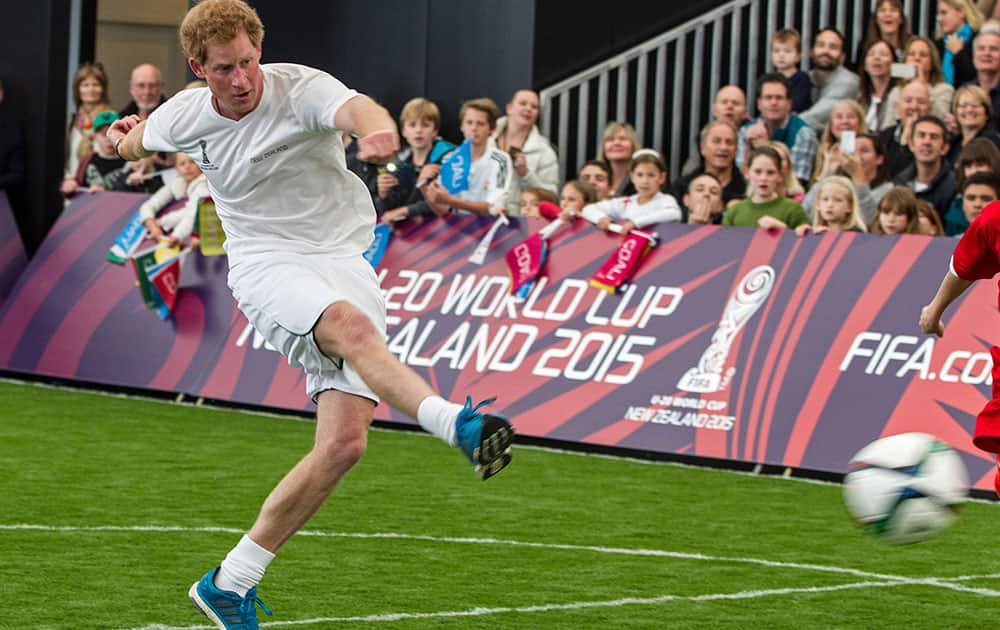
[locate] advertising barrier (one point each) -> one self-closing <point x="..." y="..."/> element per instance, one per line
<point x="729" y="343"/>
<point x="12" y="257"/>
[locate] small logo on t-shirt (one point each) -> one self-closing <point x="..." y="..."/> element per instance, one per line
<point x="206" y="164"/>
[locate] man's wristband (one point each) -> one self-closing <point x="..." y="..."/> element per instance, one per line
<point x="117" y="144"/>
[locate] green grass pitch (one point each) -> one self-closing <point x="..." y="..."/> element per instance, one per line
<point x="110" y="507"/>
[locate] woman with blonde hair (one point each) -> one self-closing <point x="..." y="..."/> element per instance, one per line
<point x="973" y="112"/>
<point x="847" y="115"/>
<point x="958" y="23"/>
<point x="618" y="144"/>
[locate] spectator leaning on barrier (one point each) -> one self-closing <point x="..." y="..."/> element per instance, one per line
<point x="618" y="144"/>
<point x="536" y="164"/>
<point x="832" y="82"/>
<point x="767" y="206"/>
<point x="597" y="173"/>
<point x="923" y="56"/>
<point x="930" y="177"/>
<point x="105" y="169"/>
<point x="400" y="198"/>
<point x="897" y="213"/>
<point x="914" y="102"/>
<point x="717" y="147"/>
<point x="775" y="121"/>
<point x="491" y="170"/>
<point x="977" y="191"/>
<point x="837" y="207"/>
<point x="730" y="103"/>
<point x="190" y="184"/>
<point x="575" y="195"/>
<point x="648" y="206"/>
<point x="703" y="200"/>
<point x="865" y="168"/>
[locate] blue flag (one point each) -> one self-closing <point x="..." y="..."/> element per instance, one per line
<point x="126" y="243"/>
<point x="455" y="168"/>
<point x="377" y="248"/>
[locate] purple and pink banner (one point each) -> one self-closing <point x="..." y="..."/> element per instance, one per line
<point x="730" y="343"/>
<point x="12" y="257"/>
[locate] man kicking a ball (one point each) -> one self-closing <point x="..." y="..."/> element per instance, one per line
<point x="297" y="221"/>
<point x="976" y="257"/>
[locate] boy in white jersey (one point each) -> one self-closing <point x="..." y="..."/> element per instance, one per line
<point x="297" y="222"/>
<point x="490" y="175"/>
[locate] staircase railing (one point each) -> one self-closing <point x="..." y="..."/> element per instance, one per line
<point x="664" y="86"/>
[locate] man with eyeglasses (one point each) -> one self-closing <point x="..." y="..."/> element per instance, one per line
<point x="146" y="88"/>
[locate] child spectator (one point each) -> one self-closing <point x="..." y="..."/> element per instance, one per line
<point x="793" y="187"/>
<point x="786" y="56"/>
<point x="575" y="195"/>
<point x="105" y="170"/>
<point x="767" y="205"/>
<point x="190" y="184"/>
<point x="837" y="207"/>
<point x="491" y="170"/>
<point x="897" y="213"/>
<point x="866" y="168"/>
<point x="979" y="190"/>
<point x="703" y="202"/>
<point x="531" y="197"/>
<point x="979" y="156"/>
<point x="928" y="221"/>
<point x="647" y="206"/>
<point x="597" y="173"/>
<point x="400" y="198"/>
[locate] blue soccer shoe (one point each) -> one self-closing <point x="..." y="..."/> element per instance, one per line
<point x="226" y="609"/>
<point x="485" y="438"/>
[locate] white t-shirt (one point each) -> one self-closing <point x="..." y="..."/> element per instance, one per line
<point x="489" y="179"/>
<point x="278" y="175"/>
<point x="662" y="208"/>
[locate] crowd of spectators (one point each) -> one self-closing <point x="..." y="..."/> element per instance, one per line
<point x="903" y="137"/>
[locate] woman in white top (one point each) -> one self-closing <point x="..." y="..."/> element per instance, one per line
<point x="647" y="206"/>
<point x="536" y="164"/>
<point x="190" y="183"/>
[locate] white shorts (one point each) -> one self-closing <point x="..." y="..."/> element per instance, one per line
<point x="284" y="295"/>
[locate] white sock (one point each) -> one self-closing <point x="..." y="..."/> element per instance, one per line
<point x="437" y="416"/>
<point x="243" y="567"/>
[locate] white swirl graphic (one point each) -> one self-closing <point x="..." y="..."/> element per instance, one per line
<point x="751" y="293"/>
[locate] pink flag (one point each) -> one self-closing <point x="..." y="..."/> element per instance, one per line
<point x="624" y="262"/>
<point x="166" y="281"/>
<point x="526" y="259"/>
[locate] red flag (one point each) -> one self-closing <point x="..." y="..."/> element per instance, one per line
<point x="166" y="281"/>
<point x="624" y="261"/>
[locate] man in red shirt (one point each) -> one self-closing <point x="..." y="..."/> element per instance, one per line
<point x="977" y="257"/>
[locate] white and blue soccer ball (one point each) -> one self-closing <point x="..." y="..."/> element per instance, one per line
<point x="905" y="488"/>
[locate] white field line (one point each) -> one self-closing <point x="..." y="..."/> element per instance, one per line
<point x="654" y="553"/>
<point x="613" y="603"/>
<point x="188" y="402"/>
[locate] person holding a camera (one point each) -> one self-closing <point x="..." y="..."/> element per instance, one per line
<point x="535" y="162"/>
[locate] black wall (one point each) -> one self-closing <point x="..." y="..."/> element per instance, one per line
<point x="393" y="50"/>
<point x="34" y="45"/>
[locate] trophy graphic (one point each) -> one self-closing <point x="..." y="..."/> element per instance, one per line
<point x="750" y="294"/>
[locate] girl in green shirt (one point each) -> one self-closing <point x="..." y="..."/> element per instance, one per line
<point x="767" y="206"/>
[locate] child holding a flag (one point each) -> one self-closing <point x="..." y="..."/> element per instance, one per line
<point x="481" y="187"/>
<point x="191" y="184"/>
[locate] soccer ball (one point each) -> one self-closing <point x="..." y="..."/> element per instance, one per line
<point x="905" y="488"/>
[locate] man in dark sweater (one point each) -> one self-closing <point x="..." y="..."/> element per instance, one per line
<point x="931" y="176"/>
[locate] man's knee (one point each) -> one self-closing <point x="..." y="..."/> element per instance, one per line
<point x="344" y="331"/>
<point x="343" y="449"/>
